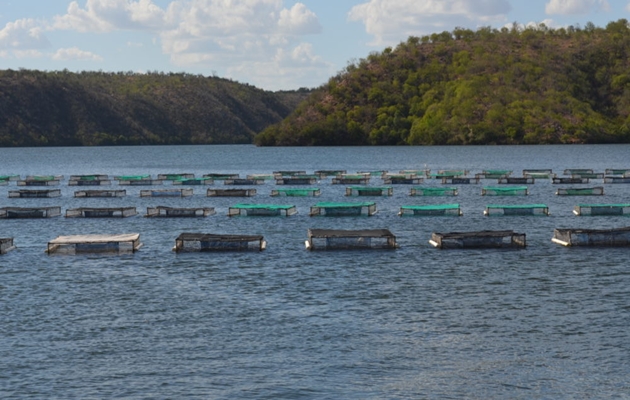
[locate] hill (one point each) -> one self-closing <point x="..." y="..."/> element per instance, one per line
<point x="95" y="108"/>
<point x="509" y="86"/>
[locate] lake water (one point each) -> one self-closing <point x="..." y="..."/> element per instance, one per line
<point x="545" y="322"/>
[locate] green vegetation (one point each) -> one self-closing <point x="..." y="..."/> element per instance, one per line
<point x="96" y="108"/>
<point x="508" y="86"/>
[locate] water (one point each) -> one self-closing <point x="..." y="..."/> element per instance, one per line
<point x="545" y="322"/>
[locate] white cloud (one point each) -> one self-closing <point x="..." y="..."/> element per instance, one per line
<point x="299" y="20"/>
<point x="23" y="34"/>
<point x="74" y="53"/>
<point x="392" y="21"/>
<point x="575" y="6"/>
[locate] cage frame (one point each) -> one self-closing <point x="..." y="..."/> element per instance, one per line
<point x="30" y="212"/>
<point x="294" y="192"/>
<point x="100" y="193"/>
<point x="33" y="194"/>
<point x="335" y="209"/>
<point x="6" y="245"/>
<point x="505" y="191"/>
<point x="95" y="244"/>
<point x="431" y="210"/>
<point x="184" y="192"/>
<point x="229" y="242"/>
<point x="296" y="180"/>
<point x="176" y="177"/>
<point x="262" y="210"/>
<point x="342" y="239"/>
<point x="587" y="191"/>
<point x="434" y="191"/>
<point x="101" y="212"/>
<point x="488" y="239"/>
<point x="517" y="210"/>
<point x="244" y="192"/>
<point x="178" y="212"/>
<point x="569" y="181"/>
<point x="621" y="209"/>
<point x="202" y="181"/>
<point x="368" y="191"/>
<point x="572" y="237"/>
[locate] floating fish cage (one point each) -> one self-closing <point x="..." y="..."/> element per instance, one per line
<point x="609" y="171"/>
<point x="422" y="172"/>
<point x="221" y="177"/>
<point x="243" y="182"/>
<point x="167" y="193"/>
<point x="453" y="172"/>
<point x="262" y="210"/>
<point x="92" y="177"/>
<point x="505" y="191"/>
<point x="4" y="182"/>
<point x="517" y="180"/>
<point x="44" y="178"/>
<point x="369" y="191"/>
<point x="539" y="175"/>
<point x="323" y="173"/>
<point x="592" y="237"/>
<point x="88" y="182"/>
<point x="338" y="239"/>
<point x="231" y="192"/>
<point x="297" y="180"/>
<point x="452" y="180"/>
<point x="577" y="171"/>
<point x="402" y="180"/>
<point x="140" y="182"/>
<point x="591" y="191"/>
<point x="617" y="179"/>
<point x="100" y="193"/>
<point x="30" y="212"/>
<point x="266" y="177"/>
<point x="305" y="192"/>
<point x="351" y="180"/>
<point x="103" y="212"/>
<point x="38" y="182"/>
<point x="193" y="181"/>
<point x="479" y="240"/>
<point x="28" y="194"/>
<point x="521" y="209"/>
<point x="9" y="178"/>
<point x="172" y="212"/>
<point x="279" y="174"/>
<point x="6" y="245"/>
<point x="90" y="244"/>
<point x="441" y="210"/>
<point x="379" y="173"/>
<point x="132" y="177"/>
<point x="538" y="171"/>
<point x="434" y="191"/>
<point x="594" y="175"/>
<point x="197" y="242"/>
<point x="176" y="177"/>
<point x="494" y="173"/>
<point x="329" y="209"/>
<point x="602" y="209"/>
<point x="570" y="181"/>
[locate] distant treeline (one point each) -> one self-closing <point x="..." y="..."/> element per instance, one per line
<point x="489" y="86"/>
<point x="97" y="108"/>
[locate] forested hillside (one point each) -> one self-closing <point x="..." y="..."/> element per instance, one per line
<point x="95" y="108"/>
<point x="489" y="86"/>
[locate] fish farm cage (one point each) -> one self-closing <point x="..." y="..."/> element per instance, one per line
<point x="330" y="209"/>
<point x="516" y="180"/>
<point x="494" y="174"/>
<point x="100" y="193"/>
<point x="172" y="212"/>
<point x="243" y="182"/>
<point x="132" y="177"/>
<point x="351" y="180"/>
<point x="520" y="209"/>
<point x="29" y="212"/>
<point x="93" y="177"/>
<point x="266" y="177"/>
<point x="324" y="173"/>
<point x="505" y="191"/>
<point x="101" y="212"/>
<point x="279" y="174"/>
<point x="166" y="193"/>
<point x="369" y="191"/>
<point x="419" y="172"/>
<point x="433" y="191"/>
<point x="200" y="242"/>
<point x="38" y="181"/>
<point x="454" y="180"/>
<point x="95" y="244"/>
<point x="176" y="177"/>
<point x="479" y="240"/>
<point x="140" y="182"/>
<point x="594" y="175"/>
<point x="262" y="210"/>
<point x="297" y="180"/>
<point x="9" y="178"/>
<point x="617" y="179"/>
<point x="28" y="194"/>
<point x="442" y="210"/>
<point x="609" y="171"/>
<point x="88" y="182"/>
<point x="569" y="181"/>
<point x="230" y="192"/>
<point x="589" y="191"/>
<point x="539" y="175"/>
<point x="376" y="173"/>
<point x="193" y="181"/>
<point x="577" y="171"/>
<point x="538" y="171"/>
<point x="402" y="180"/>
<point x="6" y="245"/>
<point x="302" y="192"/>
<point x="221" y="176"/>
<point x="592" y="237"/>
<point x="339" y="239"/>
<point x="601" y="209"/>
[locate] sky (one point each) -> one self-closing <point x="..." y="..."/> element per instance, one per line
<point x="271" y="44"/>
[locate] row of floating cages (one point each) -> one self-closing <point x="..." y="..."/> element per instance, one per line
<point x="193" y="181"/>
<point x="101" y="212"/>
<point x="453" y="180"/>
<point x="517" y="180"/>
<point x="494" y="174"/>
<point x="201" y="242"/>
<point x="6" y="245"/>
<point x="25" y="193"/>
<point x="520" y="209"/>
<point x="479" y="240"/>
<point x="30" y="212"/>
<point x="261" y="210"/>
<point x="617" y="179"/>
<point x="162" y="211"/>
<point x="569" y="181"/>
<point x="505" y="191"/>
<point x="431" y="210"/>
<point x="330" y="209"/>
<point x="100" y="193"/>
<point x="588" y="191"/>
<point x="243" y="182"/>
<point x="166" y="193"/>
<point x="434" y="191"/>
<point x="592" y="237"/>
<point x="602" y="209"/>
<point x="297" y="180"/>
<point x="329" y="239"/>
<point x="97" y="243"/>
<point x="351" y="179"/>
<point x="230" y="192"/>
<point x="369" y="191"/>
<point x="302" y="192"/>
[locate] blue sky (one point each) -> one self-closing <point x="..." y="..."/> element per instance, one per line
<point x="272" y="44"/>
